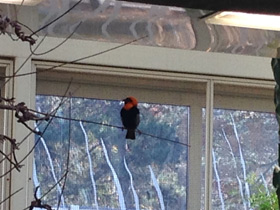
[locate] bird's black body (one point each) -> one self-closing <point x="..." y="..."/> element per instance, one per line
<point x="130" y="120"/>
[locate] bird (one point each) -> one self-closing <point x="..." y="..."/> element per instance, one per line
<point x="130" y="116"/>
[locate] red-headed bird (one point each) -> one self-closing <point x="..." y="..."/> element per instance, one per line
<point x="130" y="116"/>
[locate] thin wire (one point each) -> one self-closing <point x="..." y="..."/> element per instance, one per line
<point x="58" y="182"/>
<point x="15" y="73"/>
<point x="49" y="122"/>
<point x="161" y="138"/>
<point x="11" y="195"/>
<point x="63" y="14"/>
<point x="68" y="153"/>
<point x="54" y="48"/>
<point x="20" y="6"/>
<point x="76" y="60"/>
<point x="24" y="25"/>
<point x="62" y="102"/>
<point x="113" y="126"/>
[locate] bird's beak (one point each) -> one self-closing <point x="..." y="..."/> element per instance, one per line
<point x="125" y="100"/>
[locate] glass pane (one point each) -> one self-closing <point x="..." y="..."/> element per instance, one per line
<point x="203" y="159"/>
<point x="105" y="169"/>
<point x="245" y="148"/>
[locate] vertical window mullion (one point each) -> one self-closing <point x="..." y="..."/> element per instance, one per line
<point x="195" y="154"/>
<point x="209" y="143"/>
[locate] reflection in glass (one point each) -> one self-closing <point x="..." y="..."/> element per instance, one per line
<point x="105" y="169"/>
<point x="244" y="153"/>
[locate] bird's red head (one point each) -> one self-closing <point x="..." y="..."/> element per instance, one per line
<point x="130" y="102"/>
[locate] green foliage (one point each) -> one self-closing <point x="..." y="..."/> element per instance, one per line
<point x="262" y="201"/>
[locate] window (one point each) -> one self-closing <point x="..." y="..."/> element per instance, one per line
<point x="244" y="147"/>
<point x="105" y="169"/>
<point x="244" y="153"/>
<point x="223" y="119"/>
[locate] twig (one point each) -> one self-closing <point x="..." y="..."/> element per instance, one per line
<point x="23" y="114"/>
<point x="16" y="165"/>
<point x="48" y="122"/>
<point x="63" y="100"/>
<point x="5" y="22"/>
<point x="8" y="100"/>
<point x="14" y="146"/>
<point x="46" y="127"/>
<point x="12" y="141"/>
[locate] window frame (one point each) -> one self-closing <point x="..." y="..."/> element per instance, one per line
<point x="196" y="104"/>
<point x="6" y="121"/>
<point x="161" y="94"/>
<point x="265" y="104"/>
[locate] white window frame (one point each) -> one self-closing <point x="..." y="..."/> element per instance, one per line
<point x="153" y="86"/>
<point x="166" y="79"/>
<point x="239" y="100"/>
<point x="16" y="184"/>
<point x="24" y="89"/>
<point x="6" y="126"/>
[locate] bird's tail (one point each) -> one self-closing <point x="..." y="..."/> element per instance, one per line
<point x="130" y="134"/>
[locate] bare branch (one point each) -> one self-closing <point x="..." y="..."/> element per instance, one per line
<point x="16" y="165"/>
<point x="46" y="127"/>
<point x="5" y="22"/>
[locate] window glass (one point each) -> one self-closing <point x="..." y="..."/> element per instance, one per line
<point x="203" y="160"/>
<point x="105" y="169"/>
<point x="245" y="148"/>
